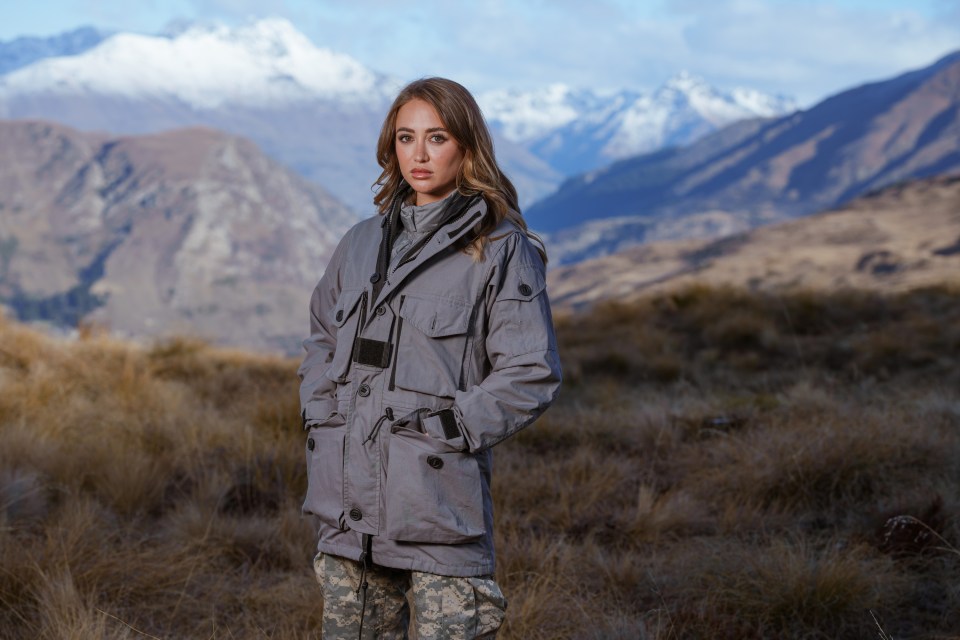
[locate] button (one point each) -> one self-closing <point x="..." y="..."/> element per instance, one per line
<point x="340" y="315"/>
<point x="364" y="390"/>
<point x="381" y="310"/>
<point x="311" y="444"/>
<point x="356" y="514"/>
<point x="435" y="462"/>
<point x="525" y="289"/>
<point x="375" y="278"/>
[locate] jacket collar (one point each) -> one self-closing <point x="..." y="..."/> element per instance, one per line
<point x="459" y="224"/>
<point x="417" y="220"/>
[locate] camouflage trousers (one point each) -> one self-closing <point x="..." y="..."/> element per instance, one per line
<point x="444" y="607"/>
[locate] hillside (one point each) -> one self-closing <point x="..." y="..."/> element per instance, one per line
<point x="762" y="171"/>
<point x="720" y="464"/>
<point x="903" y="236"/>
<point x="186" y="232"/>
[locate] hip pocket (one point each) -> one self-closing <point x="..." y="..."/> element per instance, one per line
<point x="325" y="474"/>
<point x="434" y="492"/>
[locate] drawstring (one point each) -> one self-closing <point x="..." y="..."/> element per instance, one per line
<point x="364" y="562"/>
<point x="388" y="415"/>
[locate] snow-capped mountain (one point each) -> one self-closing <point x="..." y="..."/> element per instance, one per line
<point x="758" y="171"/>
<point x="315" y="110"/>
<point x="524" y="116"/>
<point x="577" y="131"/>
<point x="208" y="67"/>
<point x="28" y="49"/>
<point x="319" y="111"/>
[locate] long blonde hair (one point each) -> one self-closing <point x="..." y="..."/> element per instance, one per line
<point x="479" y="172"/>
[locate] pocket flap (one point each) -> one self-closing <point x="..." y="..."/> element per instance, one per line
<point x="346" y="304"/>
<point x="526" y="283"/>
<point x="436" y="317"/>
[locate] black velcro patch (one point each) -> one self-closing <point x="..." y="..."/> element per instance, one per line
<point x="448" y="420"/>
<point x="372" y="352"/>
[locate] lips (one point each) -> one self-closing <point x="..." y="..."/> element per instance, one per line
<point x="420" y="174"/>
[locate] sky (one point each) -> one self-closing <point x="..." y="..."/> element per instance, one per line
<point x="806" y="49"/>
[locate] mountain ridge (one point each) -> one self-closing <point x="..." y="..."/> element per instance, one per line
<point x="902" y="236"/>
<point x="299" y="101"/>
<point x="760" y="171"/>
<point x="25" y="50"/>
<point x="189" y="231"/>
<point x="579" y="130"/>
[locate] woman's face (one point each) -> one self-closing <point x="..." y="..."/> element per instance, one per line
<point x="429" y="156"/>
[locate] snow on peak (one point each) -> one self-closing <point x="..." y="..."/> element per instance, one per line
<point x="686" y="82"/>
<point x="526" y="115"/>
<point x="262" y="63"/>
<point x="599" y="128"/>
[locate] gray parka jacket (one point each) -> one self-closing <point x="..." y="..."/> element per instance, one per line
<point x="410" y="377"/>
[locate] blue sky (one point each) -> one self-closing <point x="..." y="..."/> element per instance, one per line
<point x="804" y="48"/>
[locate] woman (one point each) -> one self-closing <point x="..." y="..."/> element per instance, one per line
<point x="431" y="341"/>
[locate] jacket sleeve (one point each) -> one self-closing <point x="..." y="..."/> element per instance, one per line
<point x="318" y="403"/>
<point x="521" y="346"/>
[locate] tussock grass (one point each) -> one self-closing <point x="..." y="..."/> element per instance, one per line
<point x="721" y="464"/>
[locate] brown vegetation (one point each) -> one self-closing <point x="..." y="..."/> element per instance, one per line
<point x="720" y="465"/>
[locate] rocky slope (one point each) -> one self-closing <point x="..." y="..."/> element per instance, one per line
<point x="904" y="236"/>
<point x="187" y="232"/>
<point x="761" y="171"/>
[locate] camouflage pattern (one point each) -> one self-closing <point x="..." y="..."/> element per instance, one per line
<point x="450" y="608"/>
<point x="387" y="613"/>
<point x="445" y="607"/>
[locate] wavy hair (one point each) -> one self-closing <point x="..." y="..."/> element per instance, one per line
<point x="479" y="172"/>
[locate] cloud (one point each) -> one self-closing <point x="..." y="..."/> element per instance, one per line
<point x="804" y="49"/>
<point x="809" y="49"/>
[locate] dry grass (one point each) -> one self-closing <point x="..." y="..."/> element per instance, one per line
<point x="721" y="464"/>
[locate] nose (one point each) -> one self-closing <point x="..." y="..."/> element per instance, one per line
<point x="420" y="151"/>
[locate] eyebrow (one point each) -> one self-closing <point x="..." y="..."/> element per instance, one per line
<point x="430" y="130"/>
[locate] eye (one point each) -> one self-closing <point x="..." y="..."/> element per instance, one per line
<point x="404" y="137"/>
<point x="438" y="137"/>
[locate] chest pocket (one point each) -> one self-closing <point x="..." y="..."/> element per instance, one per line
<point x="346" y="317"/>
<point x="431" y="343"/>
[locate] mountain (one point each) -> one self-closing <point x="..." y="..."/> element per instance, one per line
<point x="316" y="110"/>
<point x="904" y="236"/>
<point x="763" y="170"/>
<point x="577" y="130"/>
<point x="189" y="231"/>
<point x="25" y="50"/>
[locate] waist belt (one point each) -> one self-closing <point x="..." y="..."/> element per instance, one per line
<point x="373" y="353"/>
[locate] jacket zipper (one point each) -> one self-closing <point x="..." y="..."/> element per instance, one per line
<point x="396" y="345"/>
<point x="415" y="250"/>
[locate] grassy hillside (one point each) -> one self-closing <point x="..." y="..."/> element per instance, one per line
<point x="719" y="465"/>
